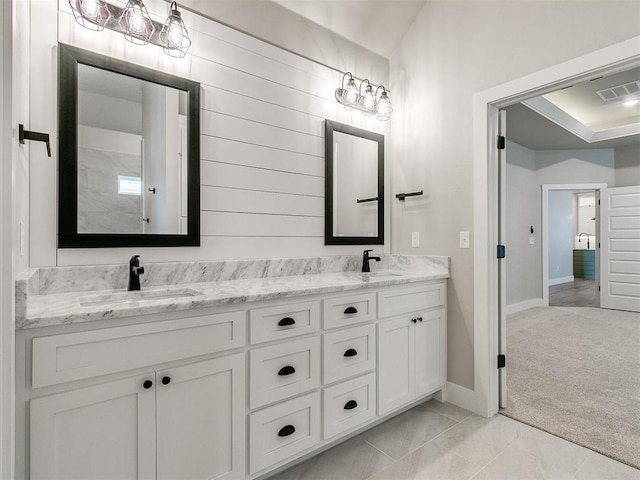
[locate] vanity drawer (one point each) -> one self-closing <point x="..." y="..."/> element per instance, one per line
<point x="349" y="310"/>
<point x="283" y="321"/>
<point x="283" y="370"/>
<point x="284" y="430"/>
<point x="348" y="352"/>
<point x="76" y="356"/>
<point x="349" y="404"/>
<point x="396" y="301"/>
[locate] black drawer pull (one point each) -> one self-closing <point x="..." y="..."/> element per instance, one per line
<point x="286" y="431"/>
<point x="414" y="320"/>
<point x="420" y="319"/>
<point x="350" y="405"/>
<point x="147" y="384"/>
<point x="286" y="321"/>
<point x="351" y="310"/>
<point x="288" y="370"/>
<point x="352" y="352"/>
<point x="166" y="380"/>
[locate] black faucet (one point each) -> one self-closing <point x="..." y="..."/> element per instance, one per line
<point x="135" y="270"/>
<point x="365" y="260"/>
<point x="580" y="238"/>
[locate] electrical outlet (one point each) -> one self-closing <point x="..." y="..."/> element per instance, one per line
<point x="415" y="239"/>
<point x="532" y="240"/>
<point x="464" y="239"/>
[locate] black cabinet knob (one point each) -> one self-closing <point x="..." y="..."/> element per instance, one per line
<point x="419" y="319"/>
<point x="351" y="310"/>
<point x="286" y="431"/>
<point x="414" y="320"/>
<point x="352" y="352"/>
<point x="350" y="405"/>
<point x="286" y="321"/>
<point x="147" y="384"/>
<point x="288" y="370"/>
<point x="166" y="380"/>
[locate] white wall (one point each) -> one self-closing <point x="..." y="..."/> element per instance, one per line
<point x="560" y="228"/>
<point x="627" y="161"/>
<point x="275" y="24"/>
<point x="453" y="50"/>
<point x="262" y="168"/>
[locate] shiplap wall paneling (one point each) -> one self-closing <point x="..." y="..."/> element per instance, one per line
<point x="262" y="150"/>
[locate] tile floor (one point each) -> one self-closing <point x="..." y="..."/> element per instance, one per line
<point x="441" y="441"/>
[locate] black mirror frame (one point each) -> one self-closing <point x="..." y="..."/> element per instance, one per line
<point x="329" y="238"/>
<point x="68" y="236"/>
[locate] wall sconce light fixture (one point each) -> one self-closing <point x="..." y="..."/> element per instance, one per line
<point x="135" y="23"/>
<point x="368" y="102"/>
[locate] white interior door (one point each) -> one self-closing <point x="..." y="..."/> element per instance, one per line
<point x="620" y="248"/>
<point x="502" y="266"/>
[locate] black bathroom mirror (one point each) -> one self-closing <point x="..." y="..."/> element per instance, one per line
<point x="354" y="186"/>
<point x="129" y="154"/>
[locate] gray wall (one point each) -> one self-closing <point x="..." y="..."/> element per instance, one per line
<point x="524" y="267"/>
<point x="627" y="160"/>
<point x="527" y="171"/>
<point x="452" y="51"/>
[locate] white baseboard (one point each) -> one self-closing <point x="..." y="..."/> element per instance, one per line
<point x="463" y="398"/>
<point x="558" y="281"/>
<point x="526" y="305"/>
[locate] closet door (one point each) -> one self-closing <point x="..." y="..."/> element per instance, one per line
<point x="104" y="431"/>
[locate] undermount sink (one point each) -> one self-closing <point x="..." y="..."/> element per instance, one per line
<point x="382" y="274"/>
<point x="120" y="298"/>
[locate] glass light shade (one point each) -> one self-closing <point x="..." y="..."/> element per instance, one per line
<point x="350" y="95"/>
<point x="91" y="14"/>
<point x="136" y="23"/>
<point x="174" y="36"/>
<point x="368" y="101"/>
<point x="383" y="107"/>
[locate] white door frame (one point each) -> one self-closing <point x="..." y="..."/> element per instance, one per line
<point x="621" y="56"/>
<point x="546" y="188"/>
<point x="7" y="364"/>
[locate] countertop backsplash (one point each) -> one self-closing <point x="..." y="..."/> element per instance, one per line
<point x="49" y="280"/>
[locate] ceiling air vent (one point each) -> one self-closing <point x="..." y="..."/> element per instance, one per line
<point x="612" y="93"/>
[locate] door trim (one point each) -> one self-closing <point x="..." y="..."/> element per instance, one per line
<point x="617" y="57"/>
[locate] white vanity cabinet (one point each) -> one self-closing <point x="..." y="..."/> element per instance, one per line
<point x="227" y="392"/>
<point x="411" y="344"/>
<point x="174" y="420"/>
<point x="182" y="422"/>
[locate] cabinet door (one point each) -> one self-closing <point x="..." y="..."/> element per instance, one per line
<point x="430" y="338"/>
<point x="396" y="363"/>
<point x="105" y="431"/>
<point x="201" y="420"/>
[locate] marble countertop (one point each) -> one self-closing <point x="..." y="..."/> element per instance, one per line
<point x="77" y="307"/>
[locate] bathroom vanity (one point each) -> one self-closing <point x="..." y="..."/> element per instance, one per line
<point x="241" y="377"/>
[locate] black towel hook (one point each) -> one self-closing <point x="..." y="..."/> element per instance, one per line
<point x="35" y="136"/>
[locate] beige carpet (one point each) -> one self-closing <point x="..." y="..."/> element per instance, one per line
<point x="575" y="372"/>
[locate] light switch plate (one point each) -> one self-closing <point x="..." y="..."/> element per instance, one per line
<point x="464" y="239"/>
<point x="415" y="239"/>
